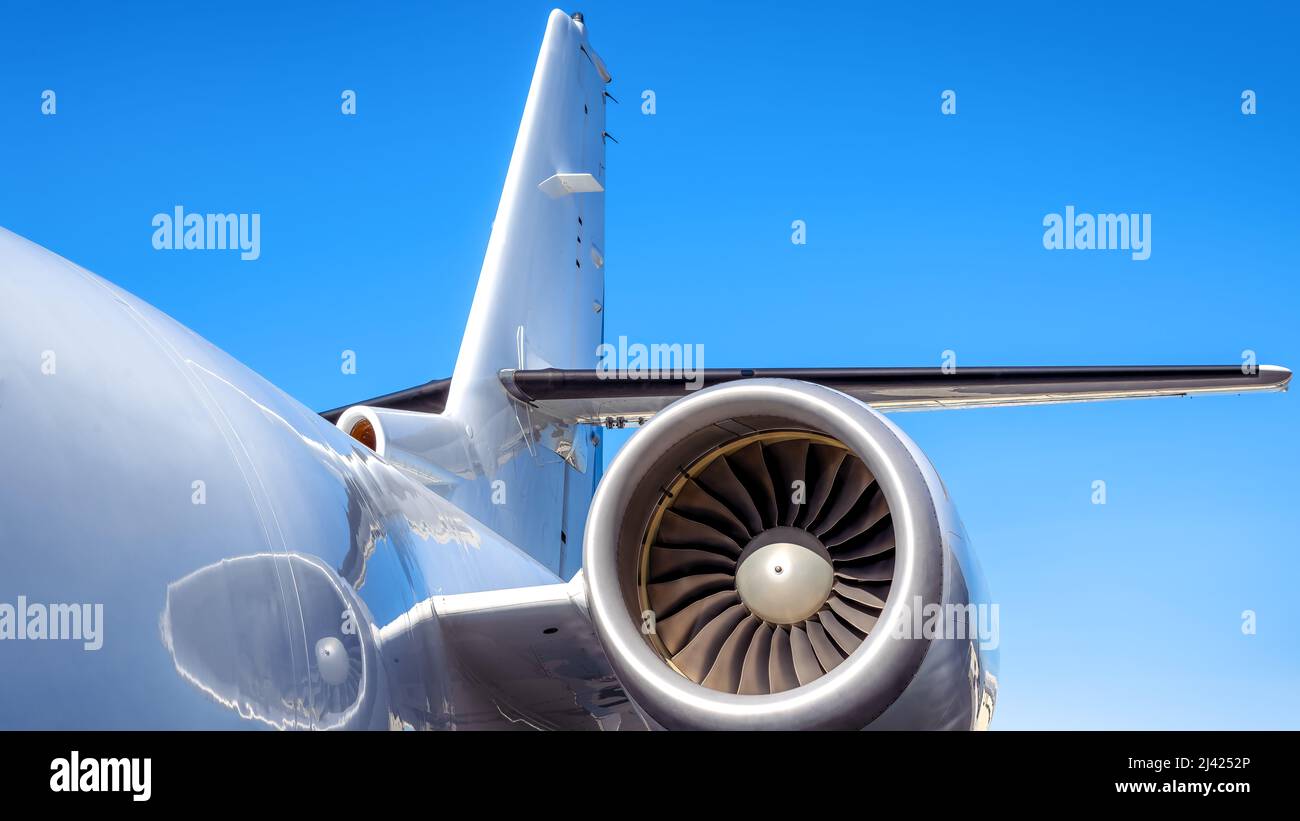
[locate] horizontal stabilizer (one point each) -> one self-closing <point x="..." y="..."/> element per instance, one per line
<point x="431" y="397"/>
<point x="601" y="397"/>
<point x="597" y="396"/>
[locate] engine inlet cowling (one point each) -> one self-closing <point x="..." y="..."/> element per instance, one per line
<point x="749" y="551"/>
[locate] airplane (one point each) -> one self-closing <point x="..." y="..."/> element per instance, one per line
<point x="186" y="546"/>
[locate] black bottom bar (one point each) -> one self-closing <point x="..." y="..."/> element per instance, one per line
<point x="570" y="774"/>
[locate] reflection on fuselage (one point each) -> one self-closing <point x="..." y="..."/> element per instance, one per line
<point x="230" y="635"/>
<point x="162" y="479"/>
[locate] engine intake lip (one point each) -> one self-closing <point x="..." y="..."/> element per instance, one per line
<point x="874" y="675"/>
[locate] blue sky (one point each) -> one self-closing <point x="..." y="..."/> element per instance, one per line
<point x="924" y="234"/>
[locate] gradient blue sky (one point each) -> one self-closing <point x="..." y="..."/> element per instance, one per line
<point x="924" y="234"/>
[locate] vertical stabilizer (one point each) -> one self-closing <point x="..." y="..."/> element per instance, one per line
<point x="543" y="267"/>
<point x="539" y="300"/>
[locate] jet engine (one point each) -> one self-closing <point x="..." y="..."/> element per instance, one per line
<point x="774" y="554"/>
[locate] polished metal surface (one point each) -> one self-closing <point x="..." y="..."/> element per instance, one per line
<point x="167" y="484"/>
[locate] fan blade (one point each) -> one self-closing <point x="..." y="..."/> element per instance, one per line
<point x="828" y="655"/>
<point x="754" y="672"/>
<point x="701" y="652"/>
<point x="780" y="665"/>
<point x="865" y="516"/>
<point x="860" y="619"/>
<point x="872" y="594"/>
<point x="677" y="530"/>
<point x="674" y="562"/>
<point x="853" y="480"/>
<point x="843" y="637"/>
<point x="786" y="464"/>
<point x="878" y="569"/>
<point x="871" y="544"/>
<point x="678" y="629"/>
<point x="751" y="469"/>
<point x="824" y="464"/>
<point x="721" y="481"/>
<point x="806" y="667"/>
<point x="726" y="670"/>
<point x="667" y="598"/>
<point x="696" y="502"/>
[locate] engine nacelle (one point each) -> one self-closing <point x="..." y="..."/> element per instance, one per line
<point x="761" y="556"/>
<point x="429" y="446"/>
